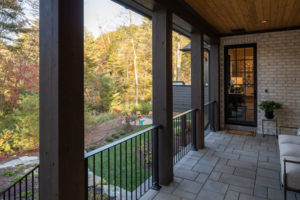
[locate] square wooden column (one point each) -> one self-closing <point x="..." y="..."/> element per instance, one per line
<point x="162" y="90"/>
<point x="61" y="100"/>
<point x="214" y="80"/>
<point x="197" y="86"/>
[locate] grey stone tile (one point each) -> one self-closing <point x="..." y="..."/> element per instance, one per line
<point x="149" y="195"/>
<point x="203" y="168"/>
<point x="246" y="153"/>
<point x="166" y="196"/>
<point x="263" y="158"/>
<point x="275" y="194"/>
<point x="208" y="195"/>
<point x="184" y="194"/>
<point x="186" y="174"/>
<point x="188" y="161"/>
<point x="241" y="189"/>
<point x="224" y="168"/>
<point x="215" y="175"/>
<point x="244" y="173"/>
<point x="252" y="159"/>
<point x="170" y="188"/>
<point x="215" y="186"/>
<point x="227" y="155"/>
<point x="242" y="164"/>
<point x="237" y="180"/>
<point x="268" y="165"/>
<point x="268" y="173"/>
<point x="267" y="182"/>
<point x="260" y="191"/>
<point x="190" y="186"/>
<point x="232" y="195"/>
<point x="274" y="160"/>
<point x="209" y="160"/>
<point x="202" y="177"/>
<point x="248" y="197"/>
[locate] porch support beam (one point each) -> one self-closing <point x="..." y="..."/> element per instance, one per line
<point x="197" y="86"/>
<point x="162" y="90"/>
<point x="214" y="80"/>
<point x="61" y="100"/>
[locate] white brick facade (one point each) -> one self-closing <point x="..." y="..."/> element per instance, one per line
<point x="278" y="70"/>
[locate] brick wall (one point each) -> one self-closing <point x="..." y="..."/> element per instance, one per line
<point x="278" y="70"/>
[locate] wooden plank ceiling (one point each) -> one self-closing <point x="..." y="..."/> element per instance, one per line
<point x="250" y="15"/>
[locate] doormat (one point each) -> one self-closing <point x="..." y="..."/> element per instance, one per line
<point x="238" y="132"/>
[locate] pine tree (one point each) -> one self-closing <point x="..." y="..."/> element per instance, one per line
<point x="12" y="19"/>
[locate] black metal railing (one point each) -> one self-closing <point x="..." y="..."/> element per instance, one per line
<point x="210" y="115"/>
<point x="125" y="169"/>
<point x="26" y="187"/>
<point x="184" y="133"/>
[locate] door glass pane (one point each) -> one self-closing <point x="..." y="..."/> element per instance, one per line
<point x="240" y="97"/>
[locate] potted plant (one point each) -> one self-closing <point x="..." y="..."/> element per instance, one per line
<point x="269" y="107"/>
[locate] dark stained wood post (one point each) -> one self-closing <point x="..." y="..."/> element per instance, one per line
<point x="61" y="100"/>
<point x="162" y="90"/>
<point x="214" y="79"/>
<point x="197" y="86"/>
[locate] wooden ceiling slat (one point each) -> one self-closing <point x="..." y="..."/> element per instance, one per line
<point x="226" y="15"/>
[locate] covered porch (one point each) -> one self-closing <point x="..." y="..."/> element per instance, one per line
<point x="229" y="167"/>
<point x="183" y="161"/>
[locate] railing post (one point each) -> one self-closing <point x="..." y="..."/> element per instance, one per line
<point x="183" y="129"/>
<point x="213" y="118"/>
<point x="194" y="131"/>
<point x="155" y="184"/>
<point x="86" y="180"/>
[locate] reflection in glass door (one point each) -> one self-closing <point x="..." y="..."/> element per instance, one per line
<point x="240" y="84"/>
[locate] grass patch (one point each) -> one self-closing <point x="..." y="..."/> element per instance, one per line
<point x="117" y="162"/>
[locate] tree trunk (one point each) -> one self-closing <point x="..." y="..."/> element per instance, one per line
<point x="134" y="62"/>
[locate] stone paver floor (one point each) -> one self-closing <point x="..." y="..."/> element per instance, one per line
<point x="231" y="167"/>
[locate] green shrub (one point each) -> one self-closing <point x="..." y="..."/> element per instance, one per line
<point x="16" y="179"/>
<point x="115" y="135"/>
<point x="21" y="166"/>
<point x="269" y="105"/>
<point x="123" y="132"/>
<point x="143" y="107"/>
<point x="93" y="119"/>
<point x="109" y="139"/>
<point x="8" y="173"/>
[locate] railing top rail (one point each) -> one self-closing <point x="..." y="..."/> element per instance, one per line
<point x="210" y="102"/>
<point x="91" y="153"/>
<point x="184" y="113"/>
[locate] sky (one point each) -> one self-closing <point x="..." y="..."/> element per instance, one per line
<point x="106" y="14"/>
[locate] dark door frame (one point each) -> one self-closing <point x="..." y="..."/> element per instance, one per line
<point x="227" y="77"/>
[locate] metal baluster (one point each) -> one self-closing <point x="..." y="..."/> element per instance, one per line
<point x="101" y="172"/>
<point x="15" y="191"/>
<point x="86" y="178"/>
<point x="140" y="165"/>
<point x="126" y="168"/>
<point x="26" y="197"/>
<point x="135" y="167"/>
<point x="115" y="171"/>
<point x="121" y="171"/>
<point x="148" y="153"/>
<point x="194" y="147"/>
<point x="94" y="178"/>
<point x="144" y="155"/>
<point x="32" y="184"/>
<point x="108" y="171"/>
<point x="131" y="166"/>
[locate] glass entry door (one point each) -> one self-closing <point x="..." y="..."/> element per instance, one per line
<point x="240" y="84"/>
